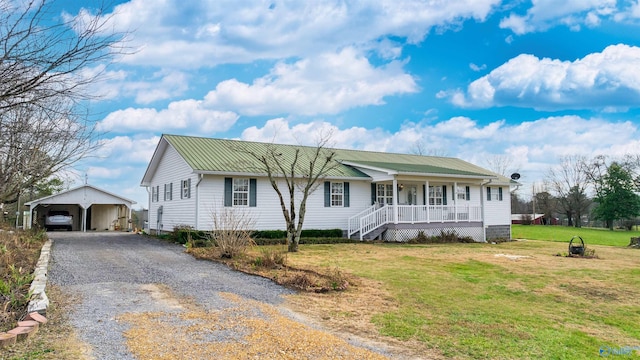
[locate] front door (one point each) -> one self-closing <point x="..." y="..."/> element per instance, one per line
<point x="412" y="195"/>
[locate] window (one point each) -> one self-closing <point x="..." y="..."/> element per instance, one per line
<point x="168" y="191"/>
<point x="463" y="193"/>
<point x="384" y="194"/>
<point x="185" y="189"/>
<point x="240" y="192"/>
<point x="435" y="195"/>
<point x="494" y="195"/>
<point x="337" y="194"/>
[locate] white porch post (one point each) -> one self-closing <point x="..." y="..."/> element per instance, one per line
<point x="426" y="198"/>
<point x="395" y="200"/>
<point x="455" y="200"/>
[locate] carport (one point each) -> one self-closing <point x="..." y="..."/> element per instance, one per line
<point x="92" y="209"/>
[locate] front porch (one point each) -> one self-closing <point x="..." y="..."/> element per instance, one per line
<point x="375" y="220"/>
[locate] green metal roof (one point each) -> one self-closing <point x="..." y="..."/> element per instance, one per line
<point x="222" y="155"/>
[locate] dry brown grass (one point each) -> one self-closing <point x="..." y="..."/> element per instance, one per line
<point x="260" y="262"/>
<point x="245" y="330"/>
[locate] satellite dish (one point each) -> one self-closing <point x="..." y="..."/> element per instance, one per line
<point x="515" y="176"/>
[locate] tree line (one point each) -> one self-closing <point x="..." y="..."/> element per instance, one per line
<point x="602" y="189"/>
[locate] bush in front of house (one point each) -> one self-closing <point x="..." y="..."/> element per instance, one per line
<point x="307" y="233"/>
<point x="445" y="237"/>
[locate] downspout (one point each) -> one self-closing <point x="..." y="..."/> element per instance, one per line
<point x="201" y="176"/>
<point x="482" y="194"/>
<point x="148" y="211"/>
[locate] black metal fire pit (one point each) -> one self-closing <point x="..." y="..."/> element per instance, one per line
<point x="576" y="246"/>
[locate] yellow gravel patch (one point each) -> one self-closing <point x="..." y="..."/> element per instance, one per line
<point x="247" y="329"/>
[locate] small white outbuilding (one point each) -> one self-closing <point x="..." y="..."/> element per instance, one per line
<point x="92" y="209"/>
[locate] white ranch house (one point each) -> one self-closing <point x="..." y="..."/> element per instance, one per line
<point x="368" y="194"/>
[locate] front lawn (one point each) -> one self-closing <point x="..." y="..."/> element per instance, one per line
<point x="564" y="234"/>
<point x="483" y="301"/>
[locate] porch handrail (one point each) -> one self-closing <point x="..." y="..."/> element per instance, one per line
<point x="376" y="219"/>
<point x="354" y="221"/>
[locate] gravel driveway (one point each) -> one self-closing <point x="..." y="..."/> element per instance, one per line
<point x="119" y="276"/>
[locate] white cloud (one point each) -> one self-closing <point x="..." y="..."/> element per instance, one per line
<point x="545" y="14"/>
<point x="190" y="116"/>
<point x="326" y="84"/>
<point x="600" y="80"/>
<point x="192" y="34"/>
<point x="534" y="145"/>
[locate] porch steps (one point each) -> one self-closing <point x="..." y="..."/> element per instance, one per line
<point x="373" y="235"/>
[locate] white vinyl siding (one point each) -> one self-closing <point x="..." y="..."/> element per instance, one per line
<point x="171" y="169"/>
<point x="267" y="215"/>
<point x="497" y="212"/>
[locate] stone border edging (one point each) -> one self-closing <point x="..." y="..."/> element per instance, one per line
<point x="39" y="301"/>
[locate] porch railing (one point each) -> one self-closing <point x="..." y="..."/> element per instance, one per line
<point x="438" y="213"/>
<point x="373" y="217"/>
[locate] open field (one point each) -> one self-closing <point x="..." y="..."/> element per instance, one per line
<point x="563" y="234"/>
<point x="470" y="301"/>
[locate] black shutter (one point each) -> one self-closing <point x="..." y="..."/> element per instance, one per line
<point x="189" y="188"/>
<point x="467" y="193"/>
<point x="373" y="194"/>
<point x="488" y="194"/>
<point x="228" y="192"/>
<point x="182" y="183"/>
<point x="424" y="194"/>
<point x="252" y="192"/>
<point x="327" y="194"/>
<point x="444" y="194"/>
<point x="346" y="194"/>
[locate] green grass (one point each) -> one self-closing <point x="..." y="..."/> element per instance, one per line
<point x="464" y="302"/>
<point x="564" y="234"/>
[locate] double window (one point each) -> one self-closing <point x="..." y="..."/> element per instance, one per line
<point x="384" y="194"/>
<point x="436" y="195"/>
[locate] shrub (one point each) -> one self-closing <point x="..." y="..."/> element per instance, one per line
<point x="231" y="232"/>
<point x="271" y="259"/>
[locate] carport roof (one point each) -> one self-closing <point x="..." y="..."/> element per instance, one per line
<point x="83" y="198"/>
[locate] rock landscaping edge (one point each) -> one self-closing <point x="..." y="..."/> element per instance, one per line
<point x="38" y="303"/>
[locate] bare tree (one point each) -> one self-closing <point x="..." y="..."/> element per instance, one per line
<point x="419" y="148"/>
<point x="302" y="169"/>
<point x="569" y="182"/>
<point x="43" y="126"/>
<point x="501" y="164"/>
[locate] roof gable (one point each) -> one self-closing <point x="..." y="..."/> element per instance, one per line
<point x="78" y="195"/>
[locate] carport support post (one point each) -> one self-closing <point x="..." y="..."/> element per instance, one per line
<point x="83" y="227"/>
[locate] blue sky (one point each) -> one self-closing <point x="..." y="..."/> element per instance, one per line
<point x="527" y="81"/>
